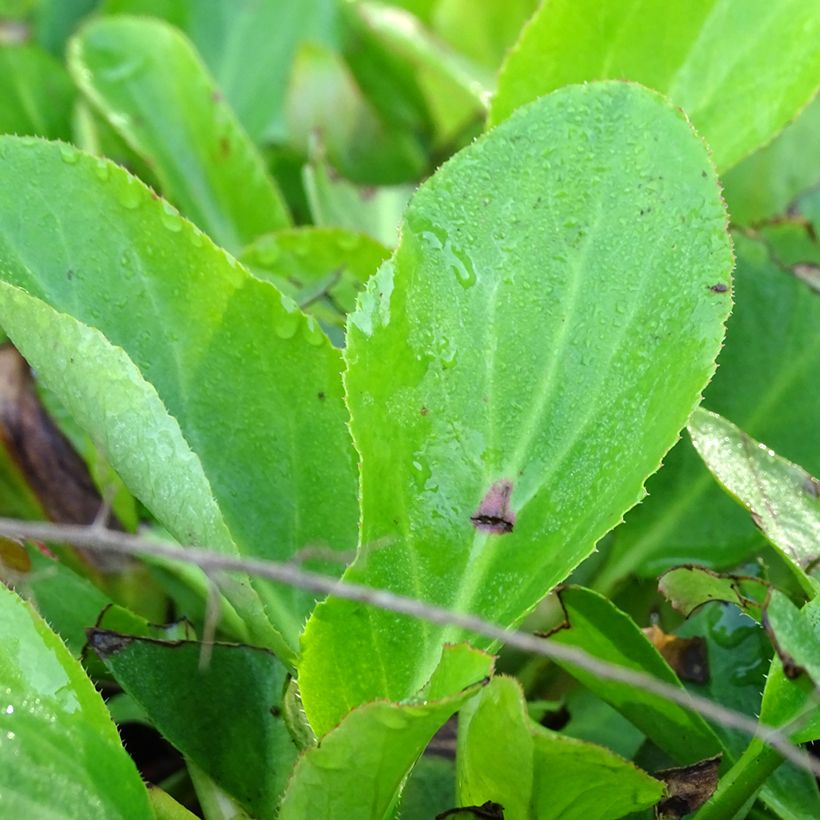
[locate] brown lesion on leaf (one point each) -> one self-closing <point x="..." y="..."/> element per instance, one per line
<point x="106" y="643"/>
<point x="494" y="514"/>
<point x="686" y="656"/>
<point x="687" y="787"/>
<point x="812" y="486"/>
<point x="719" y="287"/>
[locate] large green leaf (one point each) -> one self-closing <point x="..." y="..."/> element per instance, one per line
<point x="37" y="93"/>
<point x="741" y="69"/>
<point x="222" y="712"/>
<point x="765" y="384"/>
<point x="216" y="400"/>
<point x="506" y="758"/>
<point x="517" y="370"/>
<point x="358" y="769"/>
<point x="150" y="84"/>
<point x="248" y="45"/>
<point x="782" y="498"/>
<point x="597" y="626"/>
<point x="60" y="755"/>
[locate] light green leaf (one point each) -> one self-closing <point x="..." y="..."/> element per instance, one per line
<point x="248" y="47"/>
<point x="337" y="202"/>
<point x="782" y="498"/>
<point x="485" y="478"/>
<point x="60" y="755"/>
<point x="508" y="759"/>
<point x="222" y="712"/>
<point x="150" y="84"/>
<point x="597" y="626"/>
<point x="358" y="769"/>
<point x="767" y="182"/>
<point x="765" y="383"/>
<point x="55" y="21"/>
<point x="741" y="69"/>
<point x="689" y="588"/>
<point x="167" y="350"/>
<point x="37" y="93"/>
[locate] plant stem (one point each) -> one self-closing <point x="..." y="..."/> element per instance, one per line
<point x="741" y="783"/>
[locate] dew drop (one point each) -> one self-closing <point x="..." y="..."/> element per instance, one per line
<point x="130" y="195"/>
<point x="171" y="218"/>
<point x="102" y="169"/>
<point x="69" y="154"/>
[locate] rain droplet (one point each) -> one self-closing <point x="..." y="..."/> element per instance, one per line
<point x="69" y="154"/>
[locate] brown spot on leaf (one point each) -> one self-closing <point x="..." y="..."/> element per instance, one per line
<point x="686" y="656"/>
<point x="812" y="486"/>
<point x="14" y="560"/>
<point x="321" y="395"/>
<point x="688" y="788"/>
<point x="494" y="514"/>
<point x="224" y="147"/>
<point x="488" y="811"/>
<point x="424" y="411"/>
<point x="106" y="643"/>
<point x="720" y="287"/>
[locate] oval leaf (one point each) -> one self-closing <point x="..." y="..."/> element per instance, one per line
<point x="519" y="368"/>
<point x="149" y="83"/>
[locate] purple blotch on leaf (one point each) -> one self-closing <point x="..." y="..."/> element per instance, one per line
<point x="494" y="514"/>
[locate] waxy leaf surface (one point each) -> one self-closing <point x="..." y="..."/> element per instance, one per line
<point x="60" y="754"/>
<point x="782" y="498"/>
<point x="506" y="758"/>
<point x="215" y="399"/>
<point x="149" y="83"/>
<point x="741" y="69"/>
<point x="517" y="370"/>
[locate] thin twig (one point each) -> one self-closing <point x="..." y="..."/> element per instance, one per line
<point x="124" y="543"/>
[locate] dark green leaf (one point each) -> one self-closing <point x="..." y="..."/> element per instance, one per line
<point x="219" y="704"/>
<point x="688" y="588"/>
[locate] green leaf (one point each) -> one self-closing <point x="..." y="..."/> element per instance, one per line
<point x="167" y="349"/>
<point x="511" y="283"/>
<point x="321" y="269"/>
<point x="766" y="183"/>
<point x="795" y="634"/>
<point x="56" y="20"/>
<point x="221" y="711"/>
<point x="37" y="93"/>
<point x="150" y="84"/>
<point x="57" y="738"/>
<point x="248" y="47"/>
<point x="430" y="789"/>
<point x="765" y="384"/>
<point x="325" y="100"/>
<point x="336" y="202"/>
<point x="596" y="625"/>
<point x="358" y="769"/>
<point x="782" y="498"/>
<point x="689" y="588"/>
<point x="739" y="661"/>
<point x="506" y="758"/>
<point x="741" y="69"/>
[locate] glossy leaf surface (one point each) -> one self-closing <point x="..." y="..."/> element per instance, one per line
<point x="357" y="770"/>
<point x="149" y="83"/>
<point x="56" y="737"/>
<point x="795" y="634"/>
<point x="597" y="626"/>
<point x="782" y="498"/>
<point x="165" y="349"/>
<point x="741" y="69"/>
<point x="222" y="712"/>
<point x="505" y="757"/>
<point x="510" y="284"/>
<point x="765" y="383"/>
